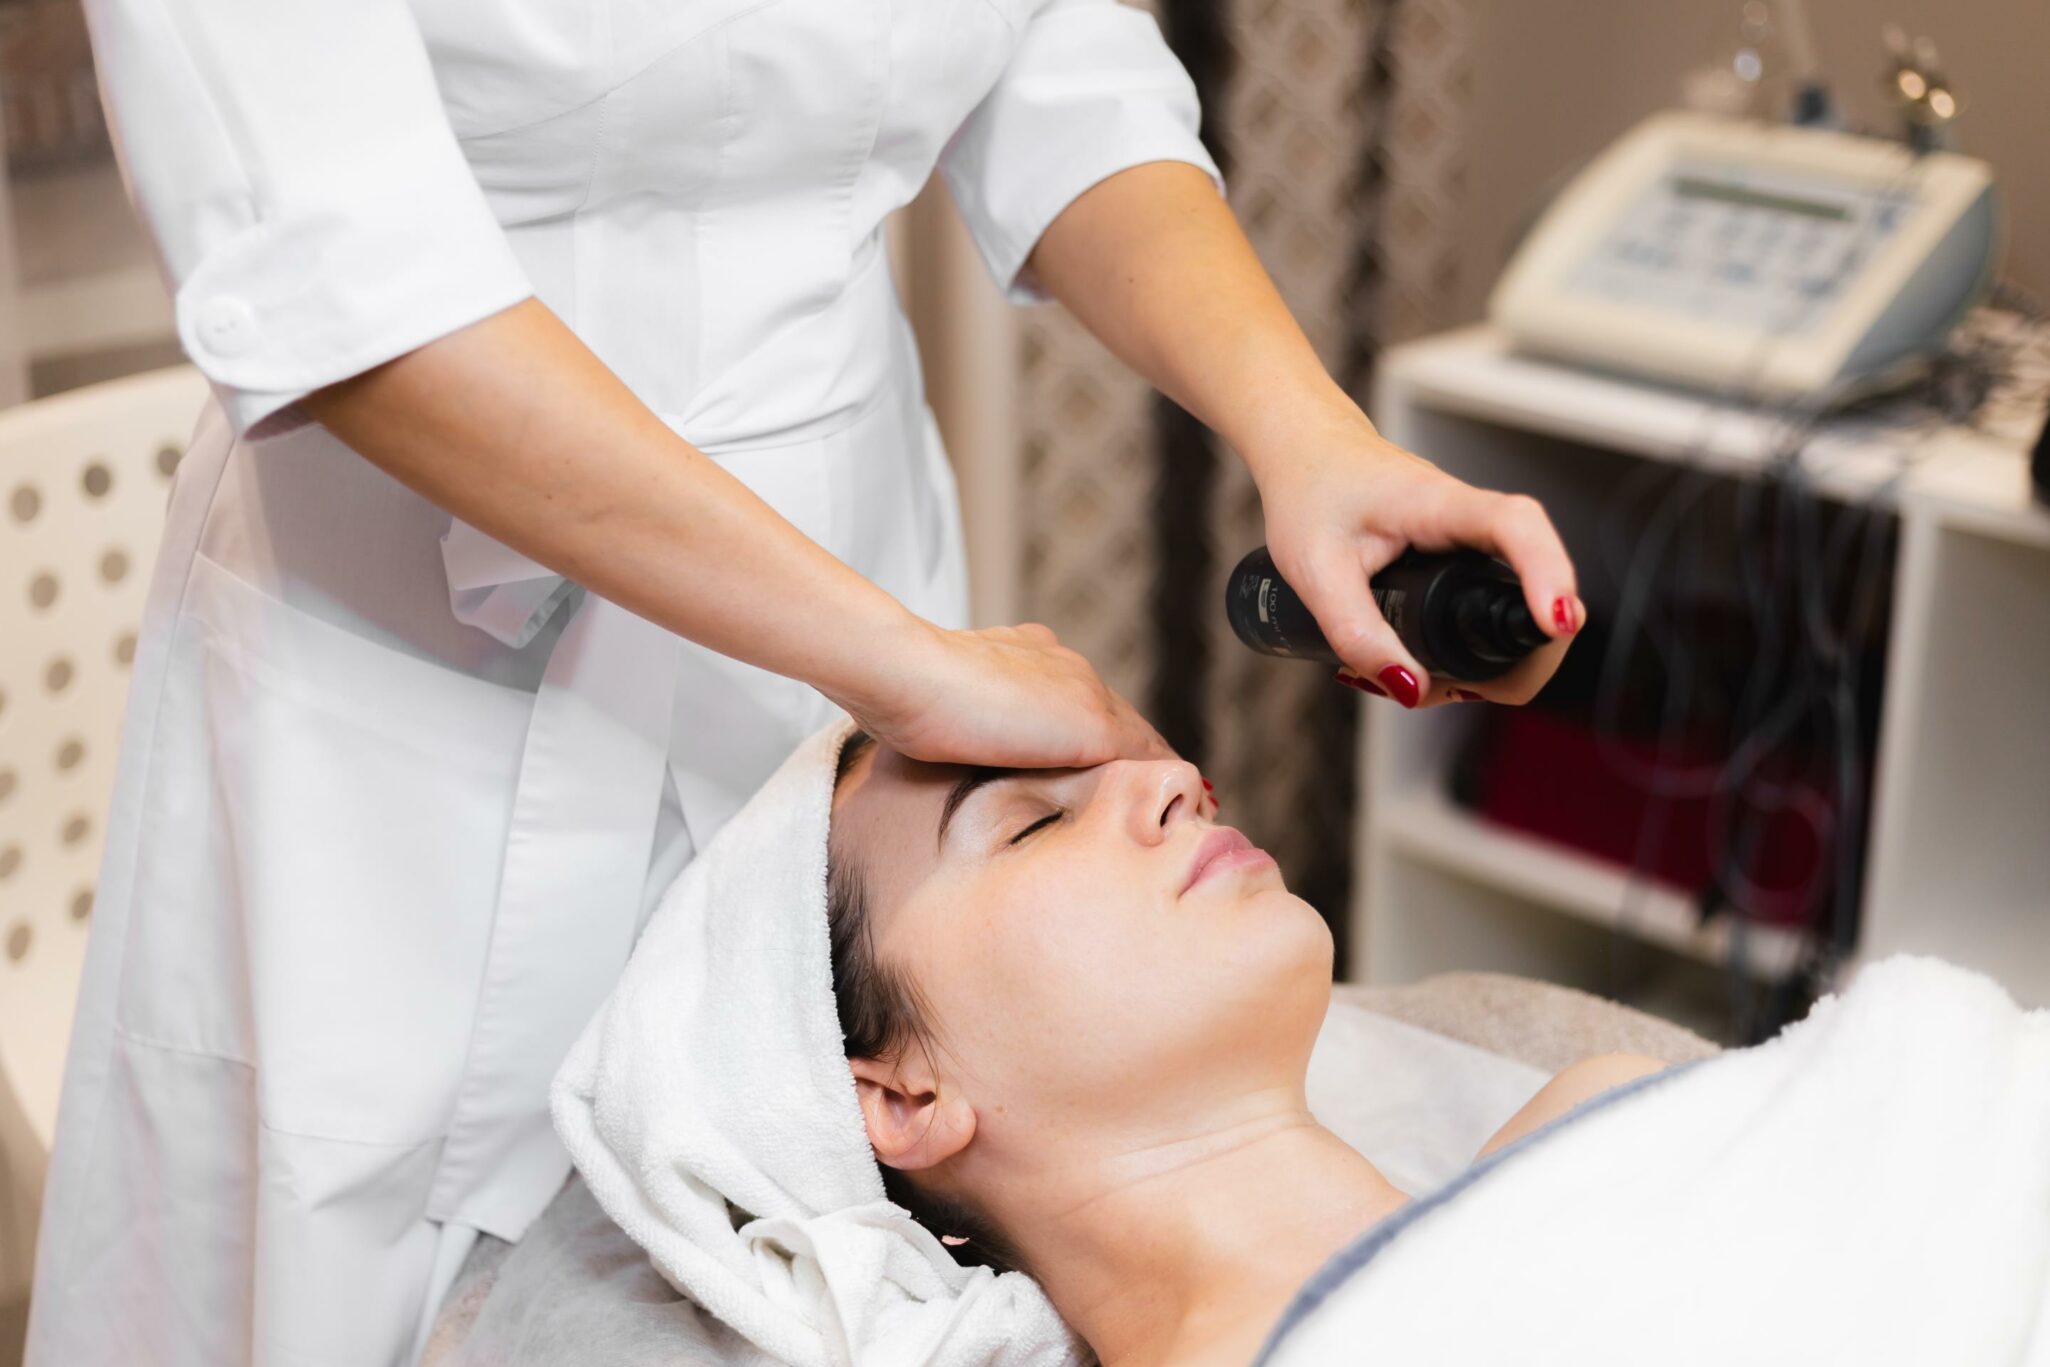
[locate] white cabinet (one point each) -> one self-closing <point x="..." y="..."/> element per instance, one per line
<point x="1958" y="860"/>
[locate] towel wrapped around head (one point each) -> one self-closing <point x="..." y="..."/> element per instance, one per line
<point x="710" y="1109"/>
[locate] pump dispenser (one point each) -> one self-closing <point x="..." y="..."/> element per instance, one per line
<point x="1460" y="613"/>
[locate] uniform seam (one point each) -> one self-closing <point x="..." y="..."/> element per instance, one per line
<point x="678" y="422"/>
<point x="236" y="149"/>
<point x="878" y="258"/>
<point x="706" y="212"/>
<point x="127" y="1036"/>
<point x="613" y="85"/>
<point x="1004" y="17"/>
<point x="350" y="1140"/>
<point x="603" y="118"/>
<point x="217" y="1056"/>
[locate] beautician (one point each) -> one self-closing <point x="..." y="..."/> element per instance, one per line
<point x="568" y="461"/>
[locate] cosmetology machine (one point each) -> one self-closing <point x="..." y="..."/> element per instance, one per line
<point x="1765" y="261"/>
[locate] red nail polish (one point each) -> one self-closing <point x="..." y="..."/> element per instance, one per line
<point x="1401" y="685"/>
<point x="1207" y="787"/>
<point x="1466" y="695"/>
<point x="1562" y="615"/>
<point x="1363" y="685"/>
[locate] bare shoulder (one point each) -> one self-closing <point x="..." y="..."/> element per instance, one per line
<point x="1588" y="1078"/>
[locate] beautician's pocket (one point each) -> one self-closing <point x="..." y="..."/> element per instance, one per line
<point x="355" y="822"/>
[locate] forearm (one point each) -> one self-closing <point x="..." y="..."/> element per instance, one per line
<point x="513" y="425"/>
<point x="1152" y="261"/>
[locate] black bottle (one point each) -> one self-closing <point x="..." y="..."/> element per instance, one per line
<point x="1461" y="614"/>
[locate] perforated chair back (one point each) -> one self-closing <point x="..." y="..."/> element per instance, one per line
<point x="83" y="482"/>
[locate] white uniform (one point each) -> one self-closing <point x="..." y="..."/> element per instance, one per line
<point x="393" y="799"/>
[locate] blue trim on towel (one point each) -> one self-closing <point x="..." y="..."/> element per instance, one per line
<point x="1348" y="1261"/>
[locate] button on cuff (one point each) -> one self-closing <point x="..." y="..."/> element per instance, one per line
<point x="226" y="326"/>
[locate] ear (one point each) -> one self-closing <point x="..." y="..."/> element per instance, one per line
<point x="910" y="1123"/>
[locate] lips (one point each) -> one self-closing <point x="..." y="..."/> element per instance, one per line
<point x="1216" y="845"/>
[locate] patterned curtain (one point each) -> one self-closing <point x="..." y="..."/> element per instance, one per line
<point x="1338" y="125"/>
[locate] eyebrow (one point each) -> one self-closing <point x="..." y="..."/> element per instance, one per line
<point x="982" y="775"/>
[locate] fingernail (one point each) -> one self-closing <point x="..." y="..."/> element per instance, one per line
<point x="1207" y="786"/>
<point x="1466" y="695"/>
<point x="1401" y="685"/>
<point x="1363" y="685"/>
<point x="1562" y="615"/>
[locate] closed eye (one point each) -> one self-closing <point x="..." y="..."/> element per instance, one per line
<point x="1049" y="818"/>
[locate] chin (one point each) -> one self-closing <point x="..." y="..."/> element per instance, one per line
<point x="1286" y="954"/>
<point x="1308" y="927"/>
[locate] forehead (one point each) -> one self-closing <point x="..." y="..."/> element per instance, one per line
<point x="885" y="812"/>
<point x="881" y="780"/>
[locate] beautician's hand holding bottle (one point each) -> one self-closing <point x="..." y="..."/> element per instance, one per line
<point x="515" y="426"/>
<point x="1341" y="502"/>
<point x="1153" y="262"/>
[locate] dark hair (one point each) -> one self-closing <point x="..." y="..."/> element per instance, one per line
<point x="882" y="1015"/>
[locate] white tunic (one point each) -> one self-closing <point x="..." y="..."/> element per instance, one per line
<point x="393" y="799"/>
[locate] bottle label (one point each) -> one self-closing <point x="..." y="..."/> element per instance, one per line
<point x="1390" y="602"/>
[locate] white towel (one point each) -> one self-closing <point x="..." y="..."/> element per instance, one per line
<point x="710" y="1108"/>
<point x="1872" y="1186"/>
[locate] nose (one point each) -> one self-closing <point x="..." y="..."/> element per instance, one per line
<point x="1157" y="795"/>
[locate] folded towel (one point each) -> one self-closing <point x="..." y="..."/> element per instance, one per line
<point x="710" y="1109"/>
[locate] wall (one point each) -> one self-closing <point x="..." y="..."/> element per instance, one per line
<point x="1555" y="80"/>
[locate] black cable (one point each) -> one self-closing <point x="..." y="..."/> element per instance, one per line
<point x="1757" y="730"/>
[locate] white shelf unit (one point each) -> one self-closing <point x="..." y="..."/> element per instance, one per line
<point x="1429" y="829"/>
<point x="1958" y="860"/>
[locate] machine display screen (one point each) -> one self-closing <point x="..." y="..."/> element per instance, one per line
<point x="1693" y="187"/>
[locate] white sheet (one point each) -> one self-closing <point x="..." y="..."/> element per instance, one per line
<point x="1415" y="1102"/>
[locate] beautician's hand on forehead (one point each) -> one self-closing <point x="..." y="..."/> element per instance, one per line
<point x="1005" y="696"/>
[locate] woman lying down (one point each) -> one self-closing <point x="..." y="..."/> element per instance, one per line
<point x="1066" y="1017"/>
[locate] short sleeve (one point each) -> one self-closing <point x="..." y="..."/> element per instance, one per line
<point x="1090" y="90"/>
<point x="309" y="203"/>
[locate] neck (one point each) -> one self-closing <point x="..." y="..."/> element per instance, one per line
<point x="1186" y="1249"/>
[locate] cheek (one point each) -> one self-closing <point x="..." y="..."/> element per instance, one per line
<point x="1020" y="974"/>
<point x="1060" y="987"/>
<point x="1030" y="953"/>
